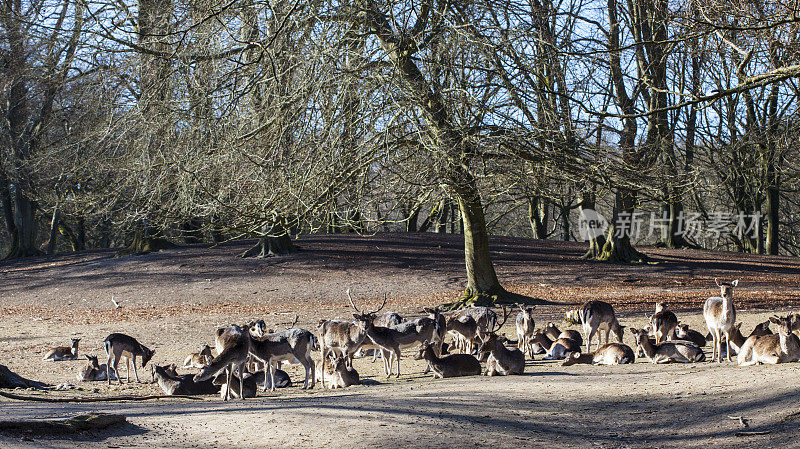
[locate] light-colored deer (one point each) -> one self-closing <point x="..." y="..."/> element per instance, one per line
<point x="663" y="323"/>
<point x="93" y="371"/>
<point x="525" y="327"/>
<point x="720" y="315"/>
<point x="61" y="353"/>
<point x="671" y="351"/>
<point x="121" y="345"/>
<point x="453" y="365"/>
<point x="199" y="359"/>
<point x="501" y="360"/>
<point x="596" y="316"/>
<point x="339" y="374"/>
<point x="484" y="316"/>
<point x="463" y="329"/>
<point x="771" y="349"/>
<point x="608" y="354"/>
<point x="233" y="349"/>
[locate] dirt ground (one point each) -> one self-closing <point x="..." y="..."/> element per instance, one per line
<point x="172" y="301"/>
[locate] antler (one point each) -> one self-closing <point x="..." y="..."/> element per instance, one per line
<point x="296" y="319"/>
<point x="717" y="282"/>
<point x="505" y="317"/>
<point x="351" y="301"/>
<point x="382" y="305"/>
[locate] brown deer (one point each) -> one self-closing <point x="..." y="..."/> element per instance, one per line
<point x="233" y="349"/>
<point x="671" y="351"/>
<point x="663" y="323"/>
<point x="199" y="359"/>
<point x="608" y="354"/>
<point x="525" y="327"/>
<point x="772" y="349"/>
<point x="501" y="360"/>
<point x="61" y="353"/>
<point x="596" y="316"/>
<point x="452" y="365"/>
<point x="121" y="345"/>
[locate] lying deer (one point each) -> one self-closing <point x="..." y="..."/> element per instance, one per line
<point x="682" y="332"/>
<point x="501" y="360"/>
<point x="173" y="384"/>
<point x="664" y="322"/>
<point x="671" y="351"/>
<point x="339" y="374"/>
<point x="720" y="315"/>
<point x="94" y="371"/>
<point x="233" y="349"/>
<point x="554" y="333"/>
<point x="772" y="349"/>
<point x="556" y="349"/>
<point x="121" y="345"/>
<point x="62" y="353"/>
<point x="453" y="365"/>
<point x="608" y="354"/>
<point x="596" y="316"/>
<point x="199" y="359"/>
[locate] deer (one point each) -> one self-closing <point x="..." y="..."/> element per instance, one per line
<point x="387" y="319"/>
<point x="62" y="353"/>
<point x="720" y="315"/>
<point x="199" y="359"/>
<point x="772" y="349"/>
<point x="663" y="322"/>
<point x="525" y="327"/>
<point x="233" y="349"/>
<point x="556" y="349"/>
<point x="339" y="374"/>
<point x="501" y="360"/>
<point x="341" y="338"/>
<point x="484" y="316"/>
<point x="682" y="332"/>
<point x="553" y="333"/>
<point x="599" y="315"/>
<point x="608" y="354"/>
<point x="463" y="329"/>
<point x="671" y="351"/>
<point x="293" y="345"/>
<point x="173" y="384"/>
<point x="93" y="371"/>
<point x="121" y="345"/>
<point x="453" y="365"/>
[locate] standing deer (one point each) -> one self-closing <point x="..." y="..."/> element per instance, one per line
<point x="464" y="329"/>
<point x="720" y="315"/>
<point x="121" y="345"/>
<point x="525" y="327"/>
<point x="599" y="315"/>
<point x="233" y="349"/>
<point x="292" y="345"/>
<point x="663" y="323"/>
<point x="61" y="353"/>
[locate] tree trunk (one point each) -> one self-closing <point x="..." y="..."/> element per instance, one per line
<point x="618" y="247"/>
<point x="538" y="209"/>
<point x="51" y="242"/>
<point x="596" y="242"/>
<point x="275" y="242"/>
<point x="24" y="241"/>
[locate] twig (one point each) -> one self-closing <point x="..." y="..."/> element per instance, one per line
<point x="106" y="399"/>
<point x="742" y="420"/>
<point x="753" y="432"/>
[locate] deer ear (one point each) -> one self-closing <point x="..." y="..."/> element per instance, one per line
<point x="774" y="320"/>
<point x="735" y="282"/>
<point x="355" y="316"/>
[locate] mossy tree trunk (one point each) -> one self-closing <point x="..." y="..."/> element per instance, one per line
<point x="276" y="241"/>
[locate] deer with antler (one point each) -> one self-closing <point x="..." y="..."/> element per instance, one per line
<point x="391" y="340"/>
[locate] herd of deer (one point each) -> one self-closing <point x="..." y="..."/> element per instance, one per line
<point x="251" y="355"/>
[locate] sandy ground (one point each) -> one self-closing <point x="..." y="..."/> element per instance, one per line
<point x="172" y="301"/>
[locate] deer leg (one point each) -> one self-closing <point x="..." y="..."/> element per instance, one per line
<point x="127" y="370"/>
<point x="241" y="381"/>
<point x="271" y="378"/>
<point x="134" y="370"/>
<point x="397" y="356"/>
<point x="728" y="346"/>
